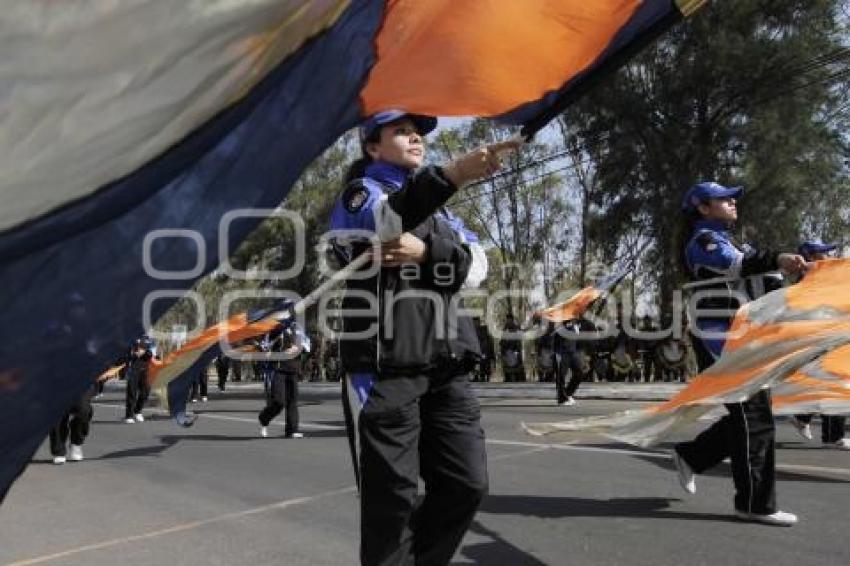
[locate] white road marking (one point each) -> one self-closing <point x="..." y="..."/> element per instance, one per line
<point x="185" y="526"/>
<point x="212" y="415"/>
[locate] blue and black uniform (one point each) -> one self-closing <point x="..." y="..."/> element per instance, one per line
<point x="74" y="424"/>
<point x="568" y="353"/>
<point x="409" y="408"/>
<point x="280" y="379"/>
<point x="746" y="435"/>
<point x="136" y="374"/>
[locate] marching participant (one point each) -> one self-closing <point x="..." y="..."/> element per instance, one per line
<point x="73" y="426"/>
<point x="409" y="408"/>
<point x="136" y="373"/>
<point x="280" y="380"/>
<point x="746" y="434"/>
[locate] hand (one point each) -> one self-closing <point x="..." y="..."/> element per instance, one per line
<point x="407" y="248"/>
<point x="792" y="263"/>
<point x="479" y="163"/>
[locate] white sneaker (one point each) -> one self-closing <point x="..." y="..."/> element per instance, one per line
<point x="803" y="429"/>
<point x="140" y="418"/>
<point x="296" y="435"/>
<point x="264" y="431"/>
<point x="779" y="519"/>
<point x="687" y="477"/>
<point x="129" y="420"/>
<point x="204" y="399"/>
<point x="843" y="444"/>
<point x="76" y="453"/>
<point x="568" y="403"/>
<point x="59" y="460"/>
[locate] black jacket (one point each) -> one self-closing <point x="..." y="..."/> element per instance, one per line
<point x="408" y="308"/>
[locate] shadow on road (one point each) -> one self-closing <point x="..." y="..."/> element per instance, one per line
<point x="562" y="507"/>
<point x="496" y="551"/>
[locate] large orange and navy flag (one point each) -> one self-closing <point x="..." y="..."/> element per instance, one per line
<point x="795" y="340"/>
<point x="129" y="130"/>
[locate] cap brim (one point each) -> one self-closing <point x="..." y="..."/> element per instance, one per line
<point x="727" y="192"/>
<point x="822" y="249"/>
<point x="424" y="124"/>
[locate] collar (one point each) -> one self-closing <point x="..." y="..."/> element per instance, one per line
<point x="387" y="173"/>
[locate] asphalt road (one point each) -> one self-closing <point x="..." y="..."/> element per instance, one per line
<point x="153" y="493"/>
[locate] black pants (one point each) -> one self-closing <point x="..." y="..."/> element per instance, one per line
<point x="74" y="423"/>
<point x="136" y="395"/>
<point x="221" y="371"/>
<point x="570" y="361"/>
<point x="747" y="437"/>
<point x="282" y="393"/>
<point x="200" y="385"/>
<point x="402" y="428"/>
<point x="832" y="427"/>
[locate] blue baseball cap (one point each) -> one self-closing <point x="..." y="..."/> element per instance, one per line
<point x="424" y="124"/>
<point x="704" y="192"/>
<point x="810" y="247"/>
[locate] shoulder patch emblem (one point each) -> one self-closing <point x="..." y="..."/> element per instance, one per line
<point x="356" y="198"/>
<point x="707" y="241"/>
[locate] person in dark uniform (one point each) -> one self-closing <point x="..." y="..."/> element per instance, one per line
<point x="73" y="426"/>
<point x="222" y="367"/>
<point x="406" y="353"/>
<point x="646" y="351"/>
<point x="832" y="426"/>
<point x="280" y="379"/>
<point x="200" y="386"/>
<point x="746" y="434"/>
<point x="484" y="367"/>
<point x="513" y="366"/>
<point x="136" y="373"/>
<point x="547" y="358"/>
<point x="570" y="359"/>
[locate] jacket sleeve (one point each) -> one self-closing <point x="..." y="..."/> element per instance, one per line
<point x="448" y="264"/>
<point x="758" y="261"/>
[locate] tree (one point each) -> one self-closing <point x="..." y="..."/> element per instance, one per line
<point x="521" y="213"/>
<point x="747" y="92"/>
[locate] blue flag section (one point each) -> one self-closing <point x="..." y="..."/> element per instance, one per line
<point x="73" y="282"/>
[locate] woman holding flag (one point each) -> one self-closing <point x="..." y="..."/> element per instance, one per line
<point x="746" y="434"/>
<point x="409" y="409"/>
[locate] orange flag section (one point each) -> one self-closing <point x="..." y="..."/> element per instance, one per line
<point x="485" y="57"/>
<point x="572" y="309"/>
<point x="795" y="341"/>
<point x="234" y="329"/>
<point x="823" y="385"/>
<point x="827" y="285"/>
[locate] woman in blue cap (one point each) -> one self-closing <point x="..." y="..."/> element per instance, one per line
<point x="407" y="354"/>
<point x="746" y="435"/>
<point x="832" y="426"/>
